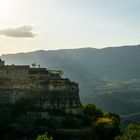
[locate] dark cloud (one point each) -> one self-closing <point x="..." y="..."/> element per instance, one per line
<point x="21" y="32"/>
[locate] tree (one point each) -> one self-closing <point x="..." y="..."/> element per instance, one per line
<point x="92" y="112"/>
<point x="44" y="137"/>
<point x="33" y="65"/>
<point x="115" y="117"/>
<point x="107" y="127"/>
<point x="132" y="132"/>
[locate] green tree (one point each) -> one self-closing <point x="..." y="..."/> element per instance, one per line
<point x="107" y="127"/>
<point x="115" y="117"/>
<point x="33" y="65"/>
<point x="44" y="137"/>
<point x="132" y="132"/>
<point x="92" y="112"/>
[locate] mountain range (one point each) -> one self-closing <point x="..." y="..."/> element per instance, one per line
<point x="108" y="77"/>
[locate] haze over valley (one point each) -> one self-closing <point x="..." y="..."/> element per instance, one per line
<point x="108" y="77"/>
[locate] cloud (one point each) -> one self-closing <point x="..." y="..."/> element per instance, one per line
<point x="25" y="31"/>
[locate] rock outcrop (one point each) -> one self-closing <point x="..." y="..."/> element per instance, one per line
<point x="17" y="81"/>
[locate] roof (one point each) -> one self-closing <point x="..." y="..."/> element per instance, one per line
<point x="21" y="67"/>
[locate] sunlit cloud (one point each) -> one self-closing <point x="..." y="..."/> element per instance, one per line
<point x="25" y="31"/>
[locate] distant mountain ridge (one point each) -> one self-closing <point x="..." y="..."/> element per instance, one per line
<point x="93" y="69"/>
<point x="104" y="62"/>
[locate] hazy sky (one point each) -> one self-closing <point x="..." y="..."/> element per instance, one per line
<point x="27" y="25"/>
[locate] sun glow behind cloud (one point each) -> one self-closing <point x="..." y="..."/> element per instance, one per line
<point x="6" y="6"/>
<point x="7" y="12"/>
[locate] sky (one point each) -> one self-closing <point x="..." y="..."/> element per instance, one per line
<point x="29" y="25"/>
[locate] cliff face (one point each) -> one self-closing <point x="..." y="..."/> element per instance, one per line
<point x="17" y="81"/>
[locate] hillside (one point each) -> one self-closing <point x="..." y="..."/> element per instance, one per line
<point x="107" y="77"/>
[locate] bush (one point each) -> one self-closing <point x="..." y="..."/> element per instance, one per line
<point x="44" y="137"/>
<point x="91" y="112"/>
<point x="132" y="132"/>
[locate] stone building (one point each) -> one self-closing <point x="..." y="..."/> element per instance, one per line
<point x="21" y="80"/>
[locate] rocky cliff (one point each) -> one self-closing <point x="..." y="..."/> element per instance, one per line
<point x="17" y="81"/>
